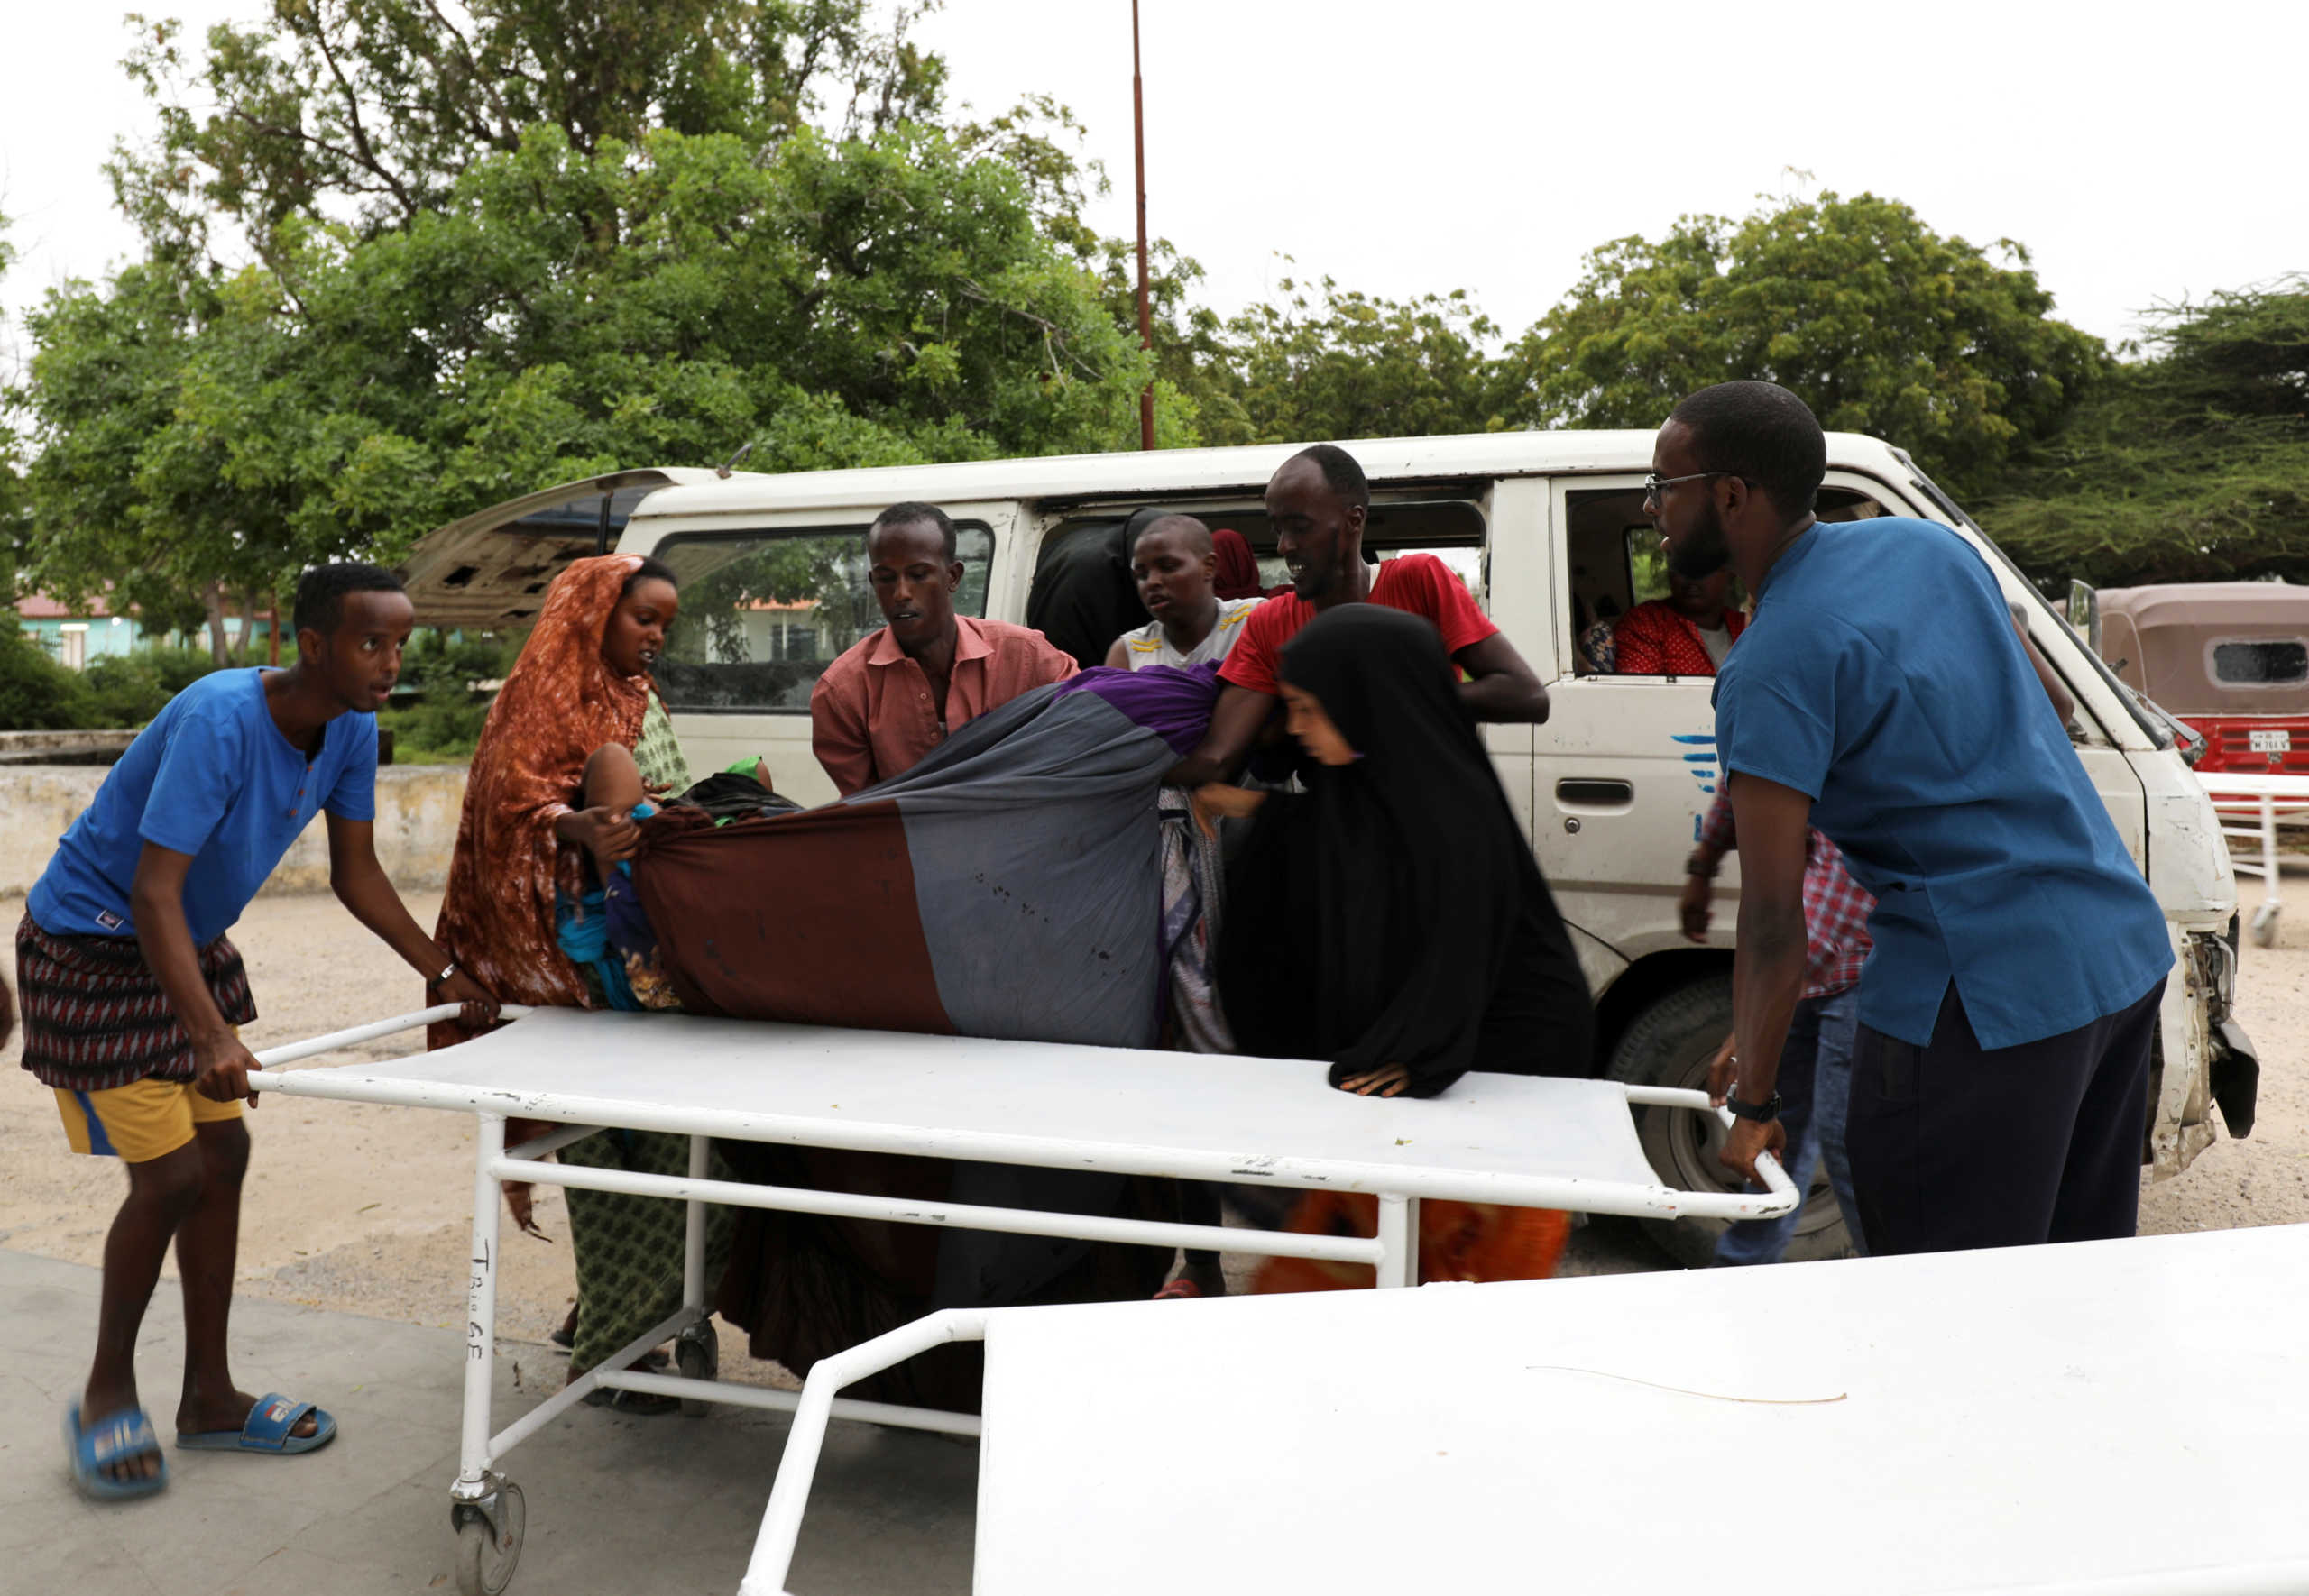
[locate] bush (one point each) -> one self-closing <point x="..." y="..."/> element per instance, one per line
<point x="176" y="669"/>
<point x="440" y="727"/>
<point x="124" y="691"/>
<point x="36" y="693"/>
<point x="444" y="724"/>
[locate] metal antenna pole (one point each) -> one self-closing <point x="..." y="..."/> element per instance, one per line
<point x="1145" y="320"/>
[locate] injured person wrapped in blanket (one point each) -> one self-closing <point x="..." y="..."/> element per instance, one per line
<point x="1029" y="841"/>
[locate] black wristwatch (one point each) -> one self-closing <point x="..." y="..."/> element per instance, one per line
<point x="1766" y="1111"/>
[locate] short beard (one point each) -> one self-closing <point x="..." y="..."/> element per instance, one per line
<point x="1334" y="577"/>
<point x="1705" y="551"/>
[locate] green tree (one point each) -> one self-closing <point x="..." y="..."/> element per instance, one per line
<point x="1880" y="324"/>
<point x="131" y="496"/>
<point x="14" y="499"/>
<point x="371" y="110"/>
<point x="1328" y="363"/>
<point x="595" y="288"/>
<point x="2191" y="465"/>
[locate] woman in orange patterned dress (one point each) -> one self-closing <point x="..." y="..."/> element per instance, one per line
<point x="524" y="847"/>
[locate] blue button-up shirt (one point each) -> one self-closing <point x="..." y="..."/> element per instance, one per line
<point x="1882" y="675"/>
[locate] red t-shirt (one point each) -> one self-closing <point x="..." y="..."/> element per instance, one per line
<point x="1417" y="584"/>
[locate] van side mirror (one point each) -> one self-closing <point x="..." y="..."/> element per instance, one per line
<point x="2085" y="612"/>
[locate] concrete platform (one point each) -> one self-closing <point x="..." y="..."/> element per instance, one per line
<point x="617" y="1506"/>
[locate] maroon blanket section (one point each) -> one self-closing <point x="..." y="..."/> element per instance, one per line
<point x="808" y="918"/>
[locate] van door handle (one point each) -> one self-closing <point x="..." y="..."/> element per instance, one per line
<point x="1592" y="793"/>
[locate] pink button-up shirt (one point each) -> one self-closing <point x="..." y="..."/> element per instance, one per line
<point x="870" y="714"/>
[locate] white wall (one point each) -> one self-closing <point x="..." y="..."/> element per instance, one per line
<point x="417" y="825"/>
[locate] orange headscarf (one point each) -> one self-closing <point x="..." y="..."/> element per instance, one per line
<point x="561" y="702"/>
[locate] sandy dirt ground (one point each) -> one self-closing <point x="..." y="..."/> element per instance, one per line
<point x="365" y="1209"/>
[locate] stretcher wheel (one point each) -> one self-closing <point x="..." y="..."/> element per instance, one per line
<point x="488" y="1540"/>
<point x="2265" y="926"/>
<point x="697" y="1355"/>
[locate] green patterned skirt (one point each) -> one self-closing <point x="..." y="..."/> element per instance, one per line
<point x="630" y="1248"/>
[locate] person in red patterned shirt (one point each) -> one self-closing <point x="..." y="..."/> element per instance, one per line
<point x="1815" y="1081"/>
<point x="1317" y="503"/>
<point x="1685" y="634"/>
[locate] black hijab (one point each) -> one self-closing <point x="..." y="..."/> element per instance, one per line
<point x="1395" y="914"/>
<point x="1083" y="596"/>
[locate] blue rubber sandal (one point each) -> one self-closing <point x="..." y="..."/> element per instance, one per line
<point x="266" y="1429"/>
<point x="125" y="1434"/>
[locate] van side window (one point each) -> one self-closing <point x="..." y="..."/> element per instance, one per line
<point x="764" y="613"/>
<point x="1617" y="563"/>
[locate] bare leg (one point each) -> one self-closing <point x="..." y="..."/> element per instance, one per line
<point x="161" y="1193"/>
<point x="612" y="780"/>
<point x="208" y="1244"/>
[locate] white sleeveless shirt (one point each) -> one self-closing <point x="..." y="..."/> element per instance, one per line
<point x="1148" y="646"/>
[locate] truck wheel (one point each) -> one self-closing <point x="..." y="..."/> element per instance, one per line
<point x="1668" y="1044"/>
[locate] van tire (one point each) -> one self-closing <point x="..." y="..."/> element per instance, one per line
<point x="1668" y="1044"/>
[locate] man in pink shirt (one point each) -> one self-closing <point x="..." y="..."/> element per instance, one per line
<point x="890" y="699"/>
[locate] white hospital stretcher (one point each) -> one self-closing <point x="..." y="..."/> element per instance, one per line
<point x="2108" y="1418"/>
<point x="1522" y="1141"/>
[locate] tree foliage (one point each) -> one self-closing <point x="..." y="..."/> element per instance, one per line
<point x="371" y="110"/>
<point x="1880" y="324"/>
<point x="1328" y="362"/>
<point x="476" y="264"/>
<point x="2189" y="465"/>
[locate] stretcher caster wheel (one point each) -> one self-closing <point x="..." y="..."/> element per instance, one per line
<point x="2265" y="926"/>
<point x="697" y="1354"/>
<point x="489" y="1538"/>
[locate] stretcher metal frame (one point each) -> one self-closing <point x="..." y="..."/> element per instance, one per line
<point x="487" y="1510"/>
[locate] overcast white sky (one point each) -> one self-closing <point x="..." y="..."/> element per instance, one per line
<point x="2141" y="154"/>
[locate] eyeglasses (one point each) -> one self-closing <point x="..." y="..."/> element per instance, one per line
<point x="1653" y="487"/>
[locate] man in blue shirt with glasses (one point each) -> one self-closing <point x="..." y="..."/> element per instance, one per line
<point x="2001" y="1075"/>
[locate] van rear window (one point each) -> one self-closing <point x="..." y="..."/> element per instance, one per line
<point x="2261" y="662"/>
<point x="764" y="613"/>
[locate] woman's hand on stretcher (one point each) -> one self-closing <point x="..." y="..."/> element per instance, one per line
<point x="1389" y="1080"/>
<point x="479" y="1006"/>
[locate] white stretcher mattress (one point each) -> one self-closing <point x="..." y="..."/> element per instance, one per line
<point x="1502" y="1138"/>
<point x="2115" y="1416"/>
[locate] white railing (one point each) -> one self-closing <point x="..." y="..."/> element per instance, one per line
<point x="2251" y="808"/>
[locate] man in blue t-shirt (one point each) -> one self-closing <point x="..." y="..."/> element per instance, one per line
<point x="131" y="993"/>
<point x="2001" y="1074"/>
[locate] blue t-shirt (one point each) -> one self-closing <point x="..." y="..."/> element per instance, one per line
<point x="213" y="777"/>
<point x="1883" y="676"/>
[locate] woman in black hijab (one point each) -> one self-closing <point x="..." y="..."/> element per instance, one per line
<point x="1391" y="919"/>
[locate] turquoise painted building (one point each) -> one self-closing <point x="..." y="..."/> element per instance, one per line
<point x="77" y="637"/>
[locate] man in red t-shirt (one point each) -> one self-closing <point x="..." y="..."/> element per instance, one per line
<point x="1685" y="634"/>
<point x="1317" y="503"/>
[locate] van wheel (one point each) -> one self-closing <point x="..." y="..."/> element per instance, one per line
<point x="1668" y="1044"/>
